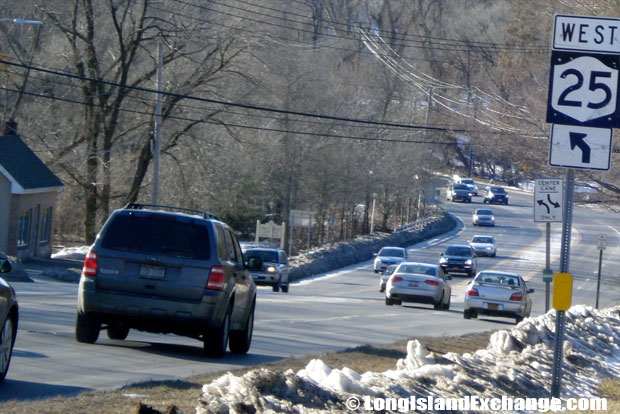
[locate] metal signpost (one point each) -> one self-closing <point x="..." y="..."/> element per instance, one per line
<point x="583" y="105"/>
<point x="548" y="209"/>
<point x="602" y="243"/>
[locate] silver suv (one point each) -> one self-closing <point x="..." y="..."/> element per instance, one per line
<point x="162" y="271"/>
<point x="275" y="269"/>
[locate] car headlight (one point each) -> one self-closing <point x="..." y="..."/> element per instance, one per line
<point x="443" y="260"/>
<point x="468" y="262"/>
<point x="271" y="269"/>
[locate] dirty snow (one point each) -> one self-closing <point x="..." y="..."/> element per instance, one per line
<point x="517" y="362"/>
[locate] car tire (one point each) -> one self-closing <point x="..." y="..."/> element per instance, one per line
<point x="439" y="305"/>
<point x="215" y="341"/>
<point x="284" y="288"/>
<point x="447" y="305"/>
<point x="87" y="328"/>
<point x="506" y="202"/>
<point x="494" y="254"/>
<point x="239" y="342"/>
<point x="484" y="201"/>
<point x="276" y="287"/>
<point x="117" y="331"/>
<point x="376" y="271"/>
<point x="7" y="340"/>
<point x="388" y="301"/>
<point x="467" y="314"/>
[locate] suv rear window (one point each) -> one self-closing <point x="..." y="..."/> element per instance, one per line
<point x="157" y="234"/>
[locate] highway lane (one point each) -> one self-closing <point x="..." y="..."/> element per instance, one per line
<point x="333" y="311"/>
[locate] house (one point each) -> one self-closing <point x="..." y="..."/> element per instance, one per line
<point x="28" y="193"/>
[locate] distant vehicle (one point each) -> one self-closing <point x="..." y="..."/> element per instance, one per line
<point x="459" y="259"/>
<point x="496" y="194"/>
<point x="483" y="245"/>
<point x="389" y="256"/>
<point x="471" y="185"/>
<point x="385" y="276"/>
<point x="9" y="316"/>
<point x="458" y="192"/>
<point x="167" y="269"/>
<point x="483" y="217"/>
<point x="496" y="293"/>
<point x="274" y="271"/>
<point x="419" y="283"/>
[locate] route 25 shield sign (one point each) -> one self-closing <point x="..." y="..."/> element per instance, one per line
<point x="583" y="90"/>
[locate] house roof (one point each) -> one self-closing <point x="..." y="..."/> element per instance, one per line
<point x="24" y="169"/>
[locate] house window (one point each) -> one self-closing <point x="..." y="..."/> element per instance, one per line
<point x="46" y="225"/>
<point x="23" y="234"/>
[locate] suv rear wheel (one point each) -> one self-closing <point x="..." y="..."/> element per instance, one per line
<point x="215" y="341"/>
<point x="276" y="287"/>
<point x="86" y="328"/>
<point x="240" y="340"/>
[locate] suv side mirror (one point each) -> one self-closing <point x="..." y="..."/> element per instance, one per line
<point x="5" y="265"/>
<point x="254" y="263"/>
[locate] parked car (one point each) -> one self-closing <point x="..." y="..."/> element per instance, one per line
<point x="389" y="256"/>
<point x="483" y="245"/>
<point x="471" y="186"/>
<point x="483" y="217"/>
<point x="167" y="270"/>
<point x="458" y="192"/>
<point x="496" y="293"/>
<point x="274" y="271"/>
<point x="419" y="283"/>
<point x="459" y="259"/>
<point x="385" y="276"/>
<point x="9" y="316"/>
<point x="496" y="194"/>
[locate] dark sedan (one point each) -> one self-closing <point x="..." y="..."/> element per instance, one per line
<point x="8" y="316"/>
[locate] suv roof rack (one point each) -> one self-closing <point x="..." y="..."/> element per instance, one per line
<point x="140" y="206"/>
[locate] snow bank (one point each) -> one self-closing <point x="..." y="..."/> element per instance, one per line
<point x="516" y="363"/>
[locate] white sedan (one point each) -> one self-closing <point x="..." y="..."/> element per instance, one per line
<point x="420" y="283"/>
<point x="483" y="245"/>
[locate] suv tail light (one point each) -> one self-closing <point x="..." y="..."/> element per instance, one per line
<point x="90" y="264"/>
<point x="216" y="278"/>
<point x="517" y="297"/>
<point x="472" y="292"/>
<point x="432" y="282"/>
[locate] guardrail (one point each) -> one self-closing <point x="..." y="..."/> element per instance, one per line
<point x="416" y="225"/>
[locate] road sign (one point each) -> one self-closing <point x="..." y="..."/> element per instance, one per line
<point x="580" y="147"/>
<point x="583" y="90"/>
<point x="548" y="200"/>
<point x="602" y="241"/>
<point x="587" y="33"/>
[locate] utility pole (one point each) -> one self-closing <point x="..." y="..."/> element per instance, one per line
<point x="157" y="141"/>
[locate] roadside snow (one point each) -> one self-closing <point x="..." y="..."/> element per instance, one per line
<point x="76" y="253"/>
<point x="517" y="362"/>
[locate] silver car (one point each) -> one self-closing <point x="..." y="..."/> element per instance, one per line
<point x="385" y="276"/>
<point x="483" y="245"/>
<point x="483" y="217"/>
<point x="389" y="256"/>
<point x="274" y="271"/>
<point x="420" y="283"/>
<point x="8" y="316"/>
<point x="496" y="293"/>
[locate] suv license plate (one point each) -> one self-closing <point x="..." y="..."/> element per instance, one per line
<point x="152" y="272"/>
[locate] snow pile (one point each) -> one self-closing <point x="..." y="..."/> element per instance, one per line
<point x="76" y="253"/>
<point x="516" y="363"/>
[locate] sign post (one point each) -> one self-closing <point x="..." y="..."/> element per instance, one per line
<point x="583" y="105"/>
<point x="602" y="243"/>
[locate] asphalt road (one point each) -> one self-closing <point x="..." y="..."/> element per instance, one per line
<point x="330" y="312"/>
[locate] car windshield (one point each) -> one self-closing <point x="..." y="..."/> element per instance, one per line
<point x="460" y="187"/>
<point x="392" y="252"/>
<point x="498" y="279"/>
<point x="467" y="181"/>
<point x="498" y="190"/>
<point x="265" y="255"/>
<point x="482" y="240"/>
<point x="458" y="251"/>
<point x="484" y="212"/>
<point x="419" y="269"/>
<point x="158" y="234"/>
